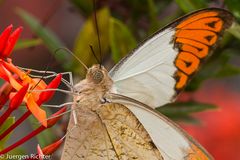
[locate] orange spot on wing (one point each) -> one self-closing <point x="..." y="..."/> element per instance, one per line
<point x="197" y="17"/>
<point x="182" y="80"/>
<point x="210" y="23"/>
<point x="187" y="62"/>
<point x="194" y="37"/>
<point x="196" y="153"/>
<point x="203" y="36"/>
<point x="198" y="49"/>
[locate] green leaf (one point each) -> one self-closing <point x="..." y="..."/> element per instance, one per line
<point x="184" y="108"/>
<point x="17" y="151"/>
<point x="49" y="39"/>
<point x="235" y="30"/>
<point x="228" y="70"/>
<point x="4" y="127"/>
<point x="88" y="36"/>
<point x="191" y="5"/>
<point x="46" y="136"/>
<point x="121" y="39"/>
<point x="153" y="14"/>
<point x="2" y="82"/>
<point x="27" y="43"/>
<point x="185" y="119"/>
<point x="234" y="7"/>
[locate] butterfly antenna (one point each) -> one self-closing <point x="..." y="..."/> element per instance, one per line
<point x="46" y="69"/>
<point x="67" y="50"/>
<point x="91" y="47"/>
<point x="97" y="29"/>
<point x="45" y="72"/>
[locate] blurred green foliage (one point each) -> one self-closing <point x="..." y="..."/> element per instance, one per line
<point x="123" y="23"/>
<point x="181" y="111"/>
<point x="4" y="127"/>
<point x="27" y="43"/>
<point x="234" y="7"/>
<point x="87" y="36"/>
<point x="191" y="5"/>
<point x="50" y="40"/>
<point x="121" y="39"/>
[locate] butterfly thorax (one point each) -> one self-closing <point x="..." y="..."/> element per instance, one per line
<point x="93" y="88"/>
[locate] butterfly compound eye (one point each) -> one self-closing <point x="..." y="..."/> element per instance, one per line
<point x="97" y="76"/>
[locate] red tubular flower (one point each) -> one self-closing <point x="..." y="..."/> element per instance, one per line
<point x="47" y="95"/>
<point x="30" y="98"/>
<point x="39" y="113"/>
<point x="4" y="37"/>
<point x="52" y="121"/>
<point x="34" y="107"/>
<point x="50" y="149"/>
<point x="14" y="103"/>
<point x="8" y="40"/>
<point x="3" y="73"/>
<point x="18" y="97"/>
<point x="33" y="99"/>
<point x="5" y="90"/>
<point x="40" y="152"/>
<point x="12" y="41"/>
<point x="18" y="82"/>
<point x="56" y="117"/>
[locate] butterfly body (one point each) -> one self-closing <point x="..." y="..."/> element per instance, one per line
<point x="93" y="112"/>
<point x="114" y="117"/>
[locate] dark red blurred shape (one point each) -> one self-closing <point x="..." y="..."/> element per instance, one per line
<point x="220" y="131"/>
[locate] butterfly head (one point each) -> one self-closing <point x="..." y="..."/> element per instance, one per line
<point x="92" y="89"/>
<point x="98" y="75"/>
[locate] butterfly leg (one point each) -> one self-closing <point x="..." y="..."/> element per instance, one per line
<point x="50" y="74"/>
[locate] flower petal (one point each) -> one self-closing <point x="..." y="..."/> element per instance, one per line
<point x="11" y="42"/>
<point x="50" y="149"/>
<point x="47" y="95"/>
<point x="40" y="152"/>
<point x="4" y="37"/>
<point x="14" y="83"/>
<point x="36" y="110"/>
<point x="5" y="91"/>
<point x="3" y="73"/>
<point x="12" y="79"/>
<point x="17" y="99"/>
<point x="54" y="118"/>
<point x="11" y="67"/>
<point x="41" y="84"/>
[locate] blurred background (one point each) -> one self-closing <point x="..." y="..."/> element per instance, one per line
<point x="208" y="109"/>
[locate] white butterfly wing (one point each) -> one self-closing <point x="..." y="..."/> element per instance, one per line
<point x="147" y="75"/>
<point x="157" y="70"/>
<point x="172" y="142"/>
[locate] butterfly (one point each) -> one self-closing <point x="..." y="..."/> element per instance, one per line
<point x="114" y="117"/>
